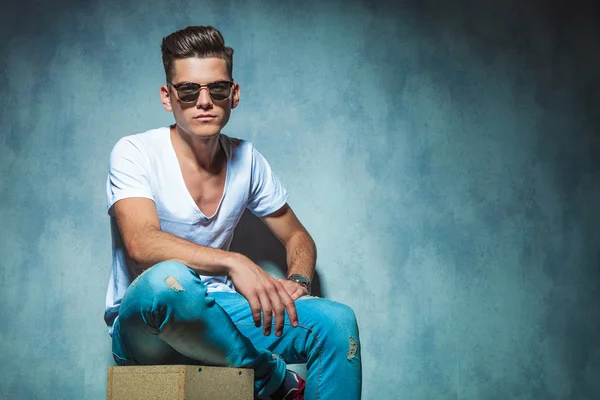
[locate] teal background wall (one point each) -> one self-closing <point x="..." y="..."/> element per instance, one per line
<point x="444" y="155"/>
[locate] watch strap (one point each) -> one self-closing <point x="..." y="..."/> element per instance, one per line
<point x="301" y="279"/>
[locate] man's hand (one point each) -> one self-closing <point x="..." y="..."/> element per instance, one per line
<point x="264" y="294"/>
<point x="294" y="289"/>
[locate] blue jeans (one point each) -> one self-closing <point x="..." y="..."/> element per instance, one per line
<point x="167" y="317"/>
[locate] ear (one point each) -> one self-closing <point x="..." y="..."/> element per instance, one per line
<point x="235" y="98"/>
<point x="165" y="97"/>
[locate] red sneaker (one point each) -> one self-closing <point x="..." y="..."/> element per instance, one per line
<point x="296" y="393"/>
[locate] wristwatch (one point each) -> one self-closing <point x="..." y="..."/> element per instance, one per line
<point x="301" y="279"/>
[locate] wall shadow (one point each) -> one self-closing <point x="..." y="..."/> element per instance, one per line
<point x="253" y="239"/>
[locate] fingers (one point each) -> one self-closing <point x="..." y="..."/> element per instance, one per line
<point x="295" y="290"/>
<point x="299" y="293"/>
<point x="278" y="309"/>
<point x="266" y="296"/>
<point x="255" y="306"/>
<point x="274" y="301"/>
<point x="289" y="305"/>
<point x="267" y="312"/>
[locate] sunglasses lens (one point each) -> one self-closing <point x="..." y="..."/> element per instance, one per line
<point x="188" y="93"/>
<point x="219" y="90"/>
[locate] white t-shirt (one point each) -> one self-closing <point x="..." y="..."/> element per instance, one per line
<point x="145" y="165"/>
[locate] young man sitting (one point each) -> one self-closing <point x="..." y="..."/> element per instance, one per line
<point x="176" y="295"/>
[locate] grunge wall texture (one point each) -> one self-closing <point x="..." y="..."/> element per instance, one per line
<point x="444" y="155"/>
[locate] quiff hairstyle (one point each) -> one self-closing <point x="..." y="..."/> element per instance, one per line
<point x="194" y="41"/>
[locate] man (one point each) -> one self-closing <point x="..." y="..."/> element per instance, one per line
<point x="176" y="294"/>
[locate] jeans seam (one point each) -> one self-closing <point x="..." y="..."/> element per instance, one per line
<point x="318" y="350"/>
<point x="320" y="360"/>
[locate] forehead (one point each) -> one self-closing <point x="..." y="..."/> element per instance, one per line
<point x="200" y="70"/>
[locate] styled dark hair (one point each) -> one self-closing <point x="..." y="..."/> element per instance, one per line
<point x="194" y="41"/>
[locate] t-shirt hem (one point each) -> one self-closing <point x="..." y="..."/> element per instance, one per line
<point x="130" y="195"/>
<point x="272" y="209"/>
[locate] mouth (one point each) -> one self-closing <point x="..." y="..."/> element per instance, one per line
<point x="205" y="117"/>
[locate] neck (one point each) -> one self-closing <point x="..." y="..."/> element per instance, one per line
<point x="204" y="152"/>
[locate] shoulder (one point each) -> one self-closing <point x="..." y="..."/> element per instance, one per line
<point x="236" y="148"/>
<point x="140" y="143"/>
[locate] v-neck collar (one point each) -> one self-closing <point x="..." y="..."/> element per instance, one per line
<point x="181" y="181"/>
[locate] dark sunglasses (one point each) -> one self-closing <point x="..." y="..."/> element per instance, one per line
<point x="188" y="92"/>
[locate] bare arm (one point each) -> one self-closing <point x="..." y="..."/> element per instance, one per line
<point x="301" y="252"/>
<point x="147" y="245"/>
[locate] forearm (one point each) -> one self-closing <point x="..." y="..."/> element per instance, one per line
<point x="301" y="254"/>
<point x="155" y="246"/>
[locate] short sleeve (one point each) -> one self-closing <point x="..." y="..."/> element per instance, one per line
<point x="129" y="173"/>
<point x="267" y="194"/>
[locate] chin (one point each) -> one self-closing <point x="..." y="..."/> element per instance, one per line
<point x="205" y="134"/>
<point x="206" y="131"/>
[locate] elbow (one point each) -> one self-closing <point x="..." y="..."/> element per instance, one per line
<point x="137" y="249"/>
<point x="135" y="252"/>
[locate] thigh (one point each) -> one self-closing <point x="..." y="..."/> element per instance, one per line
<point x="148" y="304"/>
<point x="314" y="315"/>
<point x="149" y="348"/>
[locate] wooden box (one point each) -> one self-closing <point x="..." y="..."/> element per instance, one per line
<point x="179" y="382"/>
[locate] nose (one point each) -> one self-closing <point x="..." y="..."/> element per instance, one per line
<point x="204" y="101"/>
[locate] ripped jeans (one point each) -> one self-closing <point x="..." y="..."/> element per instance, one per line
<point x="167" y="317"/>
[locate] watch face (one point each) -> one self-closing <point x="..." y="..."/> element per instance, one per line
<point x="300" y="279"/>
